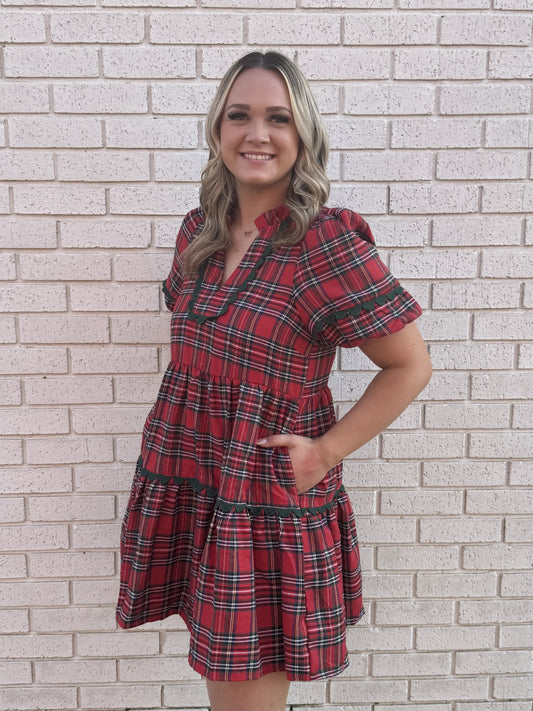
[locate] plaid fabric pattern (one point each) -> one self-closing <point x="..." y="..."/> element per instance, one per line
<point x="265" y="578"/>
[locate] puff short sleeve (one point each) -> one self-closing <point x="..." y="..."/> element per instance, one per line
<point x="343" y="291"/>
<point x="173" y="283"/>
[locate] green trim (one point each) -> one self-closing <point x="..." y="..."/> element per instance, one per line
<point x="228" y="506"/>
<point x="356" y="310"/>
<point x="233" y="291"/>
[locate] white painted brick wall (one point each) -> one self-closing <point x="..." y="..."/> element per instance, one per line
<point x="427" y="104"/>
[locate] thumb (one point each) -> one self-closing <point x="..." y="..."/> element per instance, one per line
<point x="274" y="441"/>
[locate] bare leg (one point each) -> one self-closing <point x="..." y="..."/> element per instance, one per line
<point x="268" y="693"/>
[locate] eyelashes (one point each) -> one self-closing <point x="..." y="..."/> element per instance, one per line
<point x="241" y="116"/>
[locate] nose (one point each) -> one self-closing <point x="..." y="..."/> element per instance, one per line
<point x="258" y="132"/>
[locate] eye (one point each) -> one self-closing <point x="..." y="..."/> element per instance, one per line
<point x="280" y="118"/>
<point x="237" y="116"/>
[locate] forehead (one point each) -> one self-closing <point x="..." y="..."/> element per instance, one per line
<point x="259" y="86"/>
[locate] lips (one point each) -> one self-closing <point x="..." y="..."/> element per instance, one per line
<point x="258" y="156"/>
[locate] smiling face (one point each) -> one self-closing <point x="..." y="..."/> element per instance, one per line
<point x="258" y="137"/>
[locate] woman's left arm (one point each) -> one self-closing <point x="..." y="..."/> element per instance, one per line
<point x="405" y="371"/>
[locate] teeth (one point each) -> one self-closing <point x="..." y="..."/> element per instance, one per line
<point x="257" y="156"/>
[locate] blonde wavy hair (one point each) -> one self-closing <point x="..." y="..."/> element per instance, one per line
<point x="309" y="187"/>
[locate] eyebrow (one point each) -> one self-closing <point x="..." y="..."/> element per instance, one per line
<point x="269" y="108"/>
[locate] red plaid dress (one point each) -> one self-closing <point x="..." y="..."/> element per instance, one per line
<point x="265" y="578"/>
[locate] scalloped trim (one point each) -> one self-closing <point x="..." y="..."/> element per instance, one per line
<point x="227" y="506"/>
<point x="356" y="310"/>
<point x="233" y="291"/>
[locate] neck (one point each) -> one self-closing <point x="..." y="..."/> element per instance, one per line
<point x="252" y="203"/>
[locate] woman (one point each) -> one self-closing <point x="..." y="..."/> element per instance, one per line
<point x="238" y="519"/>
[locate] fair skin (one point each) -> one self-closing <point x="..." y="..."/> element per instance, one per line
<point x="259" y="147"/>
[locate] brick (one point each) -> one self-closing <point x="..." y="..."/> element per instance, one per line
<point x="113" y="644"/>
<point x="446" y="386"/>
<point x="165" y="233"/>
<point x="493" y="662"/>
<point x="460" y="530"/>
<point x="502" y="386"/>
<point x="439" y="64"/>
<point x="509" y="326"/>
<point x="281" y="29"/>
<point x="118" y="232"/>
<point x="361" y="638"/>
<point x="4" y="193"/>
<point x="436" y="133"/>
<point x="149" y="62"/>
<point x="8" y="269"/>
<point x="421" y="502"/>
<point x="184" y="167"/>
<point x="97" y="27"/>
<point x="151" y="132"/>
<point x="128" y="448"/>
<point x="22" y="27"/>
<point x="490" y="165"/>
<point x="525" y="354"/>
<point x="485" y="99"/>
<point x="139" y="329"/>
<point x="441" y="264"/>
<point x="71" y="564"/>
<point x="453" y="586"/>
<point x="75" y="671"/>
<point x="15" y="672"/>
<point x="443" y="327"/>
<point x="141" y="267"/>
<point x="444" y="4"/>
<point x="508" y="133"/>
<point x="34" y="421"/>
<point x="518" y="529"/>
<point x="499" y="501"/>
<point x="70" y="390"/>
<point x="412" y="664"/>
<point x="34" y="538"/>
<point x="149" y="3"/>
<point x="114" y="297"/>
<point x="513" y="585"/>
<point x="7" y="329"/>
<point x="14" y="621"/>
<point x="63" y="329"/>
<point x="485" y="29"/>
<point x="206" y="28"/>
<point x="420" y="198"/>
<point x="515" y="687"/>
<point x="10" y="393"/>
<point x="417" y="557"/>
<point x="511" y="263"/>
<point x="51" y="61"/>
<point x="120" y="697"/>
<point x="12" y="510"/>
<point x="31" y="480"/>
<point x="437" y="688"/>
<point x="370" y="199"/>
<point x="136" y="389"/>
<point x="23" y="97"/>
<point x="71" y="508"/>
<point x="467" y="416"/>
<point x="18" y="359"/>
<point x="152" y="200"/>
<point x="47" y="645"/>
<point x="344" y="63"/>
<point x="454" y="638"/>
<point x="81" y="98"/>
<point x="413" y="612"/>
<point x="390" y="29"/>
<point x="471" y="231"/>
<point x="416" y="165"/>
<point x="24" y="233"/>
<point x="371" y="690"/>
<point x="477" y="295"/>
<point x="505" y="444"/>
<point x="74" y="619"/>
<point x="116" y="420"/>
<point x="513" y="5"/>
<point x="260" y="4"/>
<point x="114" y="359"/>
<point x="160" y="669"/>
<point x="521" y="474"/>
<point x="20" y="165"/>
<point x="181" y="97"/>
<point x="59" y="200"/>
<point x="106" y="478"/>
<point x="98" y="167"/>
<point x="32" y="594"/>
<point x="522" y="416"/>
<point x="65" y="266"/>
<point x="40" y="698"/>
<point x="365" y="133"/>
<point x="390" y="99"/>
<point x="41" y="297"/>
<point x="96" y="535"/>
<point x="99" y="592"/>
<point x="511" y="63"/>
<point x="389" y="530"/>
<point x="69" y="450"/>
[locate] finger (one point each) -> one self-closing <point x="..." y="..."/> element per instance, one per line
<point x="275" y="441"/>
